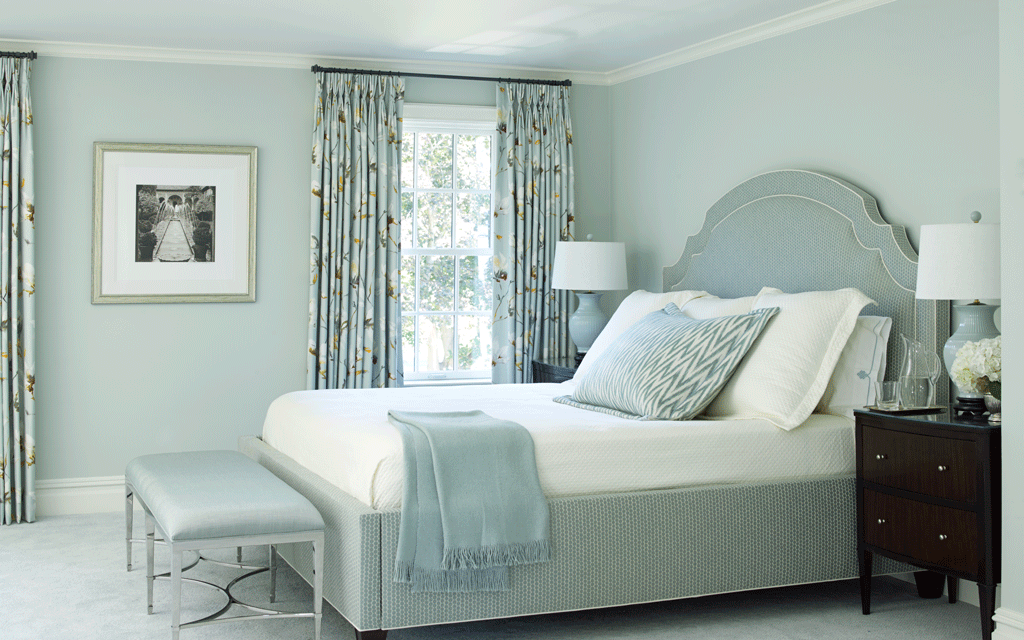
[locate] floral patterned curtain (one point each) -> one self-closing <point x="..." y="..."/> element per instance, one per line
<point x="17" y="306"/>
<point x="354" y="319"/>
<point x="535" y="199"/>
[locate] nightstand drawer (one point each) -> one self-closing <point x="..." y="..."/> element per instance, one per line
<point x="934" y="466"/>
<point x="927" y="532"/>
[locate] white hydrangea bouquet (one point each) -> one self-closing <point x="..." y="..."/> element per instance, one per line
<point x="978" y="367"/>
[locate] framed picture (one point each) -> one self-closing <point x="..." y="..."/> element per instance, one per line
<point x="174" y="223"/>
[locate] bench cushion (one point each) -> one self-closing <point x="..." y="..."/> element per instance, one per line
<point x="201" y="495"/>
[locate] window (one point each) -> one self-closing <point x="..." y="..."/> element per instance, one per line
<point x="447" y="195"/>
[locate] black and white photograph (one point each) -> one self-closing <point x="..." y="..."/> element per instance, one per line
<point x="175" y="223"/>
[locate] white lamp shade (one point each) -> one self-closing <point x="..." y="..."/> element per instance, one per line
<point x="958" y="262"/>
<point x="589" y="266"/>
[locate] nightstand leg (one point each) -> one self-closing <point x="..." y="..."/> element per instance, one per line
<point x="987" y="600"/>
<point x="952" y="584"/>
<point x="864" y="558"/>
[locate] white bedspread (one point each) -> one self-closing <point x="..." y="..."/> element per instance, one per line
<point x="345" y="437"/>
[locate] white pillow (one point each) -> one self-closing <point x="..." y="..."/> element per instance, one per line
<point x="860" y="365"/>
<point x="710" y="306"/>
<point x="636" y="305"/>
<point x="786" y="371"/>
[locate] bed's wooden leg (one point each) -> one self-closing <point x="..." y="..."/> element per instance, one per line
<point x="377" y="634"/>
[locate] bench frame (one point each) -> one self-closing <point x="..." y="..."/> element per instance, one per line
<point x="178" y="548"/>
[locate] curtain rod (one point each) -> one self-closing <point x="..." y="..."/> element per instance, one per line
<point x="562" y="83"/>
<point x="31" y="55"/>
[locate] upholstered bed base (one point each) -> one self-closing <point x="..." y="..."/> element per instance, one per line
<point x="609" y="550"/>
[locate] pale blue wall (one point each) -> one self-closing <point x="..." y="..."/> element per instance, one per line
<point x="117" y="381"/>
<point x="900" y="99"/>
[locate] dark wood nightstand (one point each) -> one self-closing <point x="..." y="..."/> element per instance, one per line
<point x="928" y="493"/>
<point x="553" y="369"/>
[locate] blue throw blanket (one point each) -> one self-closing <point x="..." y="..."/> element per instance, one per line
<point x="472" y="504"/>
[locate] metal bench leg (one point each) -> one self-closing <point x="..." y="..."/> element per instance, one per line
<point x="150" y="535"/>
<point x="273" y="572"/>
<point x="318" y="585"/>
<point x="175" y="592"/>
<point x="129" y="512"/>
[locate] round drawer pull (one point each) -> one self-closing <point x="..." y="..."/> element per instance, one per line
<point x="943" y="536"/>
<point x="943" y="467"/>
<point x="881" y="521"/>
<point x="881" y="456"/>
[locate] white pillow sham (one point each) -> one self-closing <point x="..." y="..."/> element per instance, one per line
<point x="709" y="306"/>
<point x="636" y="305"/>
<point x="860" y="365"/>
<point x="785" y="373"/>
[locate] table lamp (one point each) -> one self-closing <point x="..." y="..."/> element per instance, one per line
<point x="961" y="262"/>
<point x="588" y="267"/>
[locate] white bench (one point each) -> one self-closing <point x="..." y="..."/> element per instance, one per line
<point x="216" y="499"/>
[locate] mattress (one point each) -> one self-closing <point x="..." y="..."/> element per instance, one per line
<point x="344" y="437"/>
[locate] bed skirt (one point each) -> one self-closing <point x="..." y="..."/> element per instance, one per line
<point x="607" y="550"/>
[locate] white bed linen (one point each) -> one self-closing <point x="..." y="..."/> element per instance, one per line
<point x="344" y="437"/>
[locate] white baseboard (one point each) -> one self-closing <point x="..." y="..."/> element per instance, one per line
<point x="70" y="496"/>
<point x="1009" y="625"/>
<point x="967" y="591"/>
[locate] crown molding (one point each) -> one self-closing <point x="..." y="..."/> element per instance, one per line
<point x="289" y="60"/>
<point x="824" y="12"/>
<point x="782" y="25"/>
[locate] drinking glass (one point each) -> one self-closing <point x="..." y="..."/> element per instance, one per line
<point x="887" y="395"/>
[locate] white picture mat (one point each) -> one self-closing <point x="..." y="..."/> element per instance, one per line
<point x="227" y="275"/>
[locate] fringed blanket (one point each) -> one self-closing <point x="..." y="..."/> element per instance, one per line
<point x="472" y="504"/>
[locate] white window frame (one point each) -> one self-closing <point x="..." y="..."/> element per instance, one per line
<point x="454" y="119"/>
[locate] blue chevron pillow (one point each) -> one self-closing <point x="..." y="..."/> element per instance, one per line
<point x="667" y="366"/>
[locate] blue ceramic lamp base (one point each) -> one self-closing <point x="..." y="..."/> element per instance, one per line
<point x="976" y="323"/>
<point x="586" y="324"/>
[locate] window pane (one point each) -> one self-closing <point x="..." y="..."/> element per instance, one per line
<point x="408" y="285"/>
<point x="474" y="343"/>
<point x="408" y="168"/>
<point x="434" y="220"/>
<point x="473" y="226"/>
<point x="474" y="162"/>
<point x="474" y="283"/>
<point x="436" y="340"/>
<point x="408" y="344"/>
<point x="437" y="283"/>
<point x="434" y="164"/>
<point x="407" y="220"/>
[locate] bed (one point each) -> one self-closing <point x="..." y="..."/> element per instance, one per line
<point x="620" y="543"/>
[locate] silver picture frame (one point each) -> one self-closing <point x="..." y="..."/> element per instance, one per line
<point x="173" y="223"/>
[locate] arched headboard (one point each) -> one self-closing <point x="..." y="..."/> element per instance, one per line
<point x="807" y="231"/>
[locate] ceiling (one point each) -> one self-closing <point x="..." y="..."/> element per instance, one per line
<point x="588" y="36"/>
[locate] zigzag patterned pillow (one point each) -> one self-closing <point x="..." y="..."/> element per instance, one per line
<point x="667" y="366"/>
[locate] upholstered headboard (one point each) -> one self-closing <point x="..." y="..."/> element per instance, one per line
<point x="806" y="231"/>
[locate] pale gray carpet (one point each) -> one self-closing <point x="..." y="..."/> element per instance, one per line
<point x="65" y="577"/>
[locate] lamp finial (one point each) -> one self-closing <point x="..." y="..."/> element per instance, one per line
<point x="975" y="217"/>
